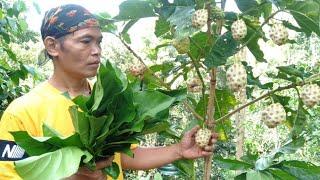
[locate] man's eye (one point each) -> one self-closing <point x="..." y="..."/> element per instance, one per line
<point x="86" y="41"/>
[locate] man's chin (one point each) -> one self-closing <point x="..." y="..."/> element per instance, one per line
<point x="91" y="74"/>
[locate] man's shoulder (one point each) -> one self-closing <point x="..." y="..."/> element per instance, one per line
<point x="34" y="97"/>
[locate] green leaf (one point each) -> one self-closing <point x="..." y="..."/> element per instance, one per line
<point x="135" y="9"/>
<point x="307" y="14"/>
<point x="113" y="170"/>
<point x="299" y="120"/>
<point x="39" y="145"/>
<point x="292" y="146"/>
<point x="292" y="71"/>
<point x="224" y="47"/>
<point x="105" y="130"/>
<point x="110" y="82"/>
<point x="250" y="7"/>
<point x="300" y="169"/>
<point x="155" y="127"/>
<point x="255" y="81"/>
<point x="81" y="102"/>
<point x="52" y="165"/>
<point x="264" y="162"/>
<point x="36" y="6"/>
<point x="253" y="45"/>
<point x="242" y="176"/>
<point x="282" y="175"/>
<point x="150" y="103"/>
<point x="128" y="26"/>
<point x="178" y="94"/>
<point x="200" y="45"/>
<point x="6" y="38"/>
<point x="96" y="126"/>
<point x="181" y="20"/>
<point x="11" y="54"/>
<point x="185" y="166"/>
<point x="232" y="164"/>
<point x="81" y="124"/>
<point x="157" y="176"/>
<point x="267" y="9"/>
<point x="162" y="27"/>
<point x="48" y="131"/>
<point x="126" y="38"/>
<point x="259" y="175"/>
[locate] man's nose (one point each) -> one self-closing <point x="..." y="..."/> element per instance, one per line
<point x="96" y="49"/>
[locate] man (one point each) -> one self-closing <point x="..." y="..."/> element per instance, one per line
<point x="72" y="38"/>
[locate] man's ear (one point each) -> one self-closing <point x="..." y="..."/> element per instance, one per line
<point x="51" y="45"/>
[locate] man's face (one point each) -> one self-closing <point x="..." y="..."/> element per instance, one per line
<point x="80" y="52"/>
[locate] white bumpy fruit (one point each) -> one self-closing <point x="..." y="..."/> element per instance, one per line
<point x="182" y="45"/>
<point x="239" y="29"/>
<point x="194" y="85"/>
<point x="273" y="115"/>
<point x="137" y="70"/>
<point x="236" y="77"/>
<point x="199" y="18"/>
<point x="279" y="34"/>
<point x="203" y="137"/>
<point x="310" y="94"/>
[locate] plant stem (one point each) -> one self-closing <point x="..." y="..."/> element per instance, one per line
<point x="211" y="99"/>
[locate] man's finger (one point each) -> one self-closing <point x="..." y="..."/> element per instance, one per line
<point x="215" y="135"/>
<point x="193" y="131"/>
<point x="104" y="163"/>
<point x="209" y="148"/>
<point x="205" y="153"/>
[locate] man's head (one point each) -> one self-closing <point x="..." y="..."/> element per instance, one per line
<point x="71" y="35"/>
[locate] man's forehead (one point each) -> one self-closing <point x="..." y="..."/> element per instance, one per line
<point x="88" y="32"/>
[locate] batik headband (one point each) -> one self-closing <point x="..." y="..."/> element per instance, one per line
<point x="66" y="19"/>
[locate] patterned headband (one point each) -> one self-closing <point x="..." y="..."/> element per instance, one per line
<point x="66" y="19"/>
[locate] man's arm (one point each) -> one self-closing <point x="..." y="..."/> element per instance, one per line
<point x="148" y="158"/>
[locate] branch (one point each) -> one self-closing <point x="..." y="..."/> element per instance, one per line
<point x="293" y="85"/>
<point x="210" y="106"/>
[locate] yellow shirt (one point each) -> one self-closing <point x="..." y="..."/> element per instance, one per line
<point x="43" y="104"/>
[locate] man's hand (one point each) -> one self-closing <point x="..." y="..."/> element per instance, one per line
<point x="188" y="149"/>
<point x="86" y="174"/>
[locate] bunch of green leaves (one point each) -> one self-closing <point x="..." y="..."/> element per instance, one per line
<point x="108" y="121"/>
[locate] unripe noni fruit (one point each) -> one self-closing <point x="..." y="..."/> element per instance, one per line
<point x="273" y="115"/>
<point x="310" y="94"/>
<point x="203" y="137"/>
<point x="279" y="34"/>
<point x="239" y="29"/>
<point x="199" y="18"/>
<point x="216" y="13"/>
<point x="194" y="85"/>
<point x="236" y="77"/>
<point x="137" y="70"/>
<point x="182" y="45"/>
